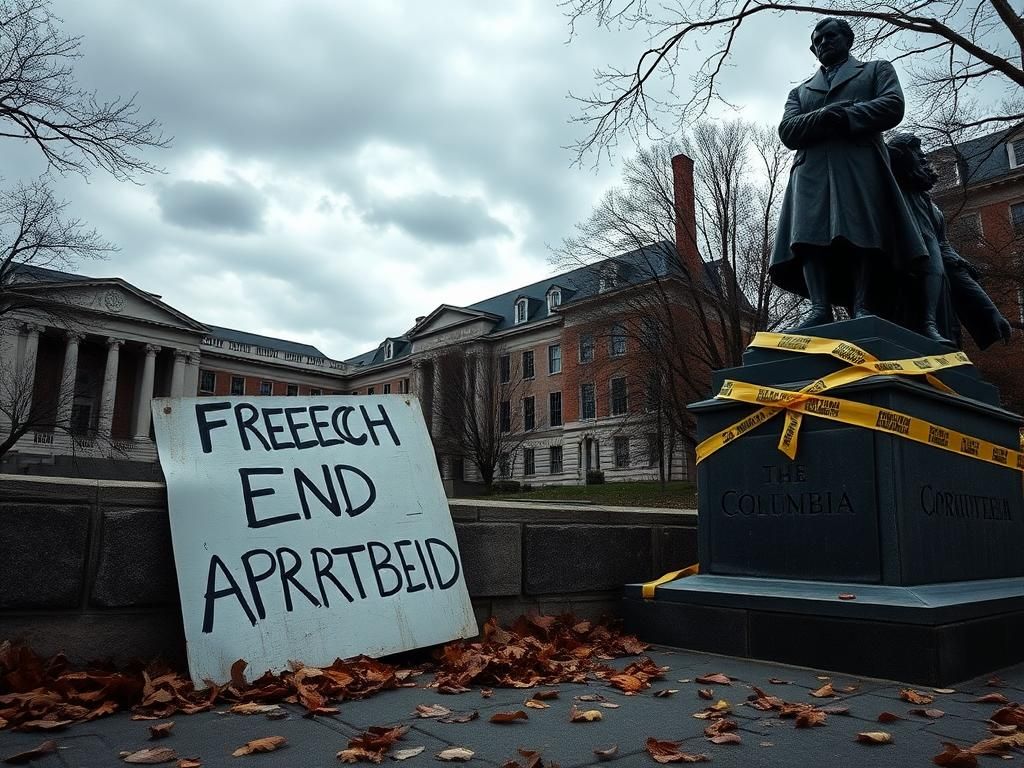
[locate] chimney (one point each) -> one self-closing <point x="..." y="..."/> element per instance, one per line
<point x="686" y="219"/>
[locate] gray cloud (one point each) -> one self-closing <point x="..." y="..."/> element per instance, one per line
<point x="212" y="205"/>
<point x="442" y="219"/>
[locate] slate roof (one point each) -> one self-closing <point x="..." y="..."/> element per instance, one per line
<point x="255" y="339"/>
<point x="43" y="275"/>
<point x="984" y="158"/>
<point x="634" y="267"/>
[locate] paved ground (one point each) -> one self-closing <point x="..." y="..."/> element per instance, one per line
<point x="766" y="740"/>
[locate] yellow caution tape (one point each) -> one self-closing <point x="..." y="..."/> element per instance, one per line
<point x="647" y="590"/>
<point x="862" y="365"/>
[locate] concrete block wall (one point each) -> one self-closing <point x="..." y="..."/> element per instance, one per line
<point x="86" y="566"/>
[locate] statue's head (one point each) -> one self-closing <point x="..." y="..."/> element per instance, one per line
<point x="910" y="165"/>
<point x="831" y="40"/>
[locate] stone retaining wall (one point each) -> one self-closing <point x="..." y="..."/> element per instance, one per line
<point x="86" y="566"/>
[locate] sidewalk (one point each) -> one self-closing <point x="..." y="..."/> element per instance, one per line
<point x="765" y="738"/>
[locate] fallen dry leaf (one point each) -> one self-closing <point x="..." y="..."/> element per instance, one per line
<point x="265" y="744"/>
<point x="608" y="705"/>
<point x="607" y="753"/>
<point x="915" y="697"/>
<point x="777" y="681"/>
<point x="835" y="709"/>
<point x="43" y="725"/>
<point x="668" y="752"/>
<point x="455" y="754"/>
<point x="24" y="757"/>
<point x="238" y="675"/>
<point x="933" y="714"/>
<point x="953" y="756"/>
<point x="996" y="682"/>
<point x="826" y="691"/>
<point x="706" y="693"/>
<point x="361" y="755"/>
<point x="508" y="717"/>
<point x="714" y="679"/>
<point x="719" y="727"/>
<point x="1012" y="715"/>
<point x="486" y="693"/>
<point x="584" y="715"/>
<point x="944" y="690"/>
<point x="405" y="754"/>
<point x="810" y="718"/>
<point x="726" y="738"/>
<point x="252" y="708"/>
<point x="431" y="710"/>
<point x="665" y="693"/>
<point x="160" y="731"/>
<point x="546" y="695"/>
<point x="460" y="717"/>
<point x="534" y="704"/>
<point x="874" y="737"/>
<point x="992" y="698"/>
<point x="847" y="596"/>
<point x="889" y="717"/>
<point x="151" y="756"/>
<point x="189" y="762"/>
<point x="1001" y="730"/>
<point x="628" y="683"/>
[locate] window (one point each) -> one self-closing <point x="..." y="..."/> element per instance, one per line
<point x="619" y="397"/>
<point x="529" y="461"/>
<point x="617" y="341"/>
<point x="621" y="452"/>
<point x="966" y="228"/>
<point x="237" y="385"/>
<point x="404" y="388"/>
<point x="555" y="459"/>
<point x="266" y="387"/>
<point x="370" y="390"/>
<point x="528" y="364"/>
<point x="1015" y="149"/>
<point x="529" y="420"/>
<point x="588" y="405"/>
<point x="386" y="389"/>
<point x="652" y="393"/>
<point x="1017" y="217"/>
<point x="520" y="316"/>
<point x="586" y="348"/>
<point x="504" y="368"/>
<point x="207" y="381"/>
<point x="653" y="450"/>
<point x="293" y="390"/>
<point x="555" y="358"/>
<point x="948" y="171"/>
<point x="505" y="416"/>
<point x="503" y="465"/>
<point x="554" y="299"/>
<point x="609" y="278"/>
<point x="555" y="409"/>
<point x="316" y="392"/>
<point x="389" y="350"/>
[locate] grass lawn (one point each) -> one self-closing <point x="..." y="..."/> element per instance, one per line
<point x="676" y="495"/>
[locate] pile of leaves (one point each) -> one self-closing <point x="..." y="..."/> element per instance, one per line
<point x="38" y="694"/>
<point x="535" y="650"/>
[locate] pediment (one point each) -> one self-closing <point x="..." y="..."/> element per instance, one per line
<point x="117" y="298"/>
<point x="447" y="317"/>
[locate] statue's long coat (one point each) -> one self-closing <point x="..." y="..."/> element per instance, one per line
<point x="841" y="190"/>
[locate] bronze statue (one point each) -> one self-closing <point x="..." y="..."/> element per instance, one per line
<point x="962" y="299"/>
<point x="843" y="218"/>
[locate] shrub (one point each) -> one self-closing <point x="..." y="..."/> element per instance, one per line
<point x="595" y="477"/>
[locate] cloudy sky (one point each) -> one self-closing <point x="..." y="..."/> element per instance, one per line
<point x="340" y="167"/>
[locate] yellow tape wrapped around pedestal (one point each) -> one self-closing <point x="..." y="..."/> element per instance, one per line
<point x="862" y="365"/>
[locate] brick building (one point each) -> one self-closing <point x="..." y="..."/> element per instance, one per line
<point x="577" y="384"/>
<point x="981" y="193"/>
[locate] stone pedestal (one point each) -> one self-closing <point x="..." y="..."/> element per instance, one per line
<point x="926" y="541"/>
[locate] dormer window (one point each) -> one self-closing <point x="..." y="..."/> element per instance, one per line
<point x="554" y="299"/>
<point x="389" y="350"/>
<point x="609" y="278"/>
<point x="520" y="315"/>
<point x="1015" y="149"/>
<point x="948" y="170"/>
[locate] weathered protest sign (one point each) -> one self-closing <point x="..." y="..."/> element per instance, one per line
<point x="307" y="528"/>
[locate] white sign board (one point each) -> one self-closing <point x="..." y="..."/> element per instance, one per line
<point x="307" y="528"/>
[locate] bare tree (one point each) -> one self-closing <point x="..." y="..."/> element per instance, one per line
<point x="480" y="411"/>
<point x="42" y="103"/>
<point x="950" y="47"/>
<point x="684" y="320"/>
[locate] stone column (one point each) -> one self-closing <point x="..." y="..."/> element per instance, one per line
<point x="178" y="373"/>
<point x="109" y="392"/>
<point x="419" y="386"/>
<point x="27" y="370"/>
<point x="191" y="388"/>
<point x="142" y="418"/>
<point x="66" y="398"/>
